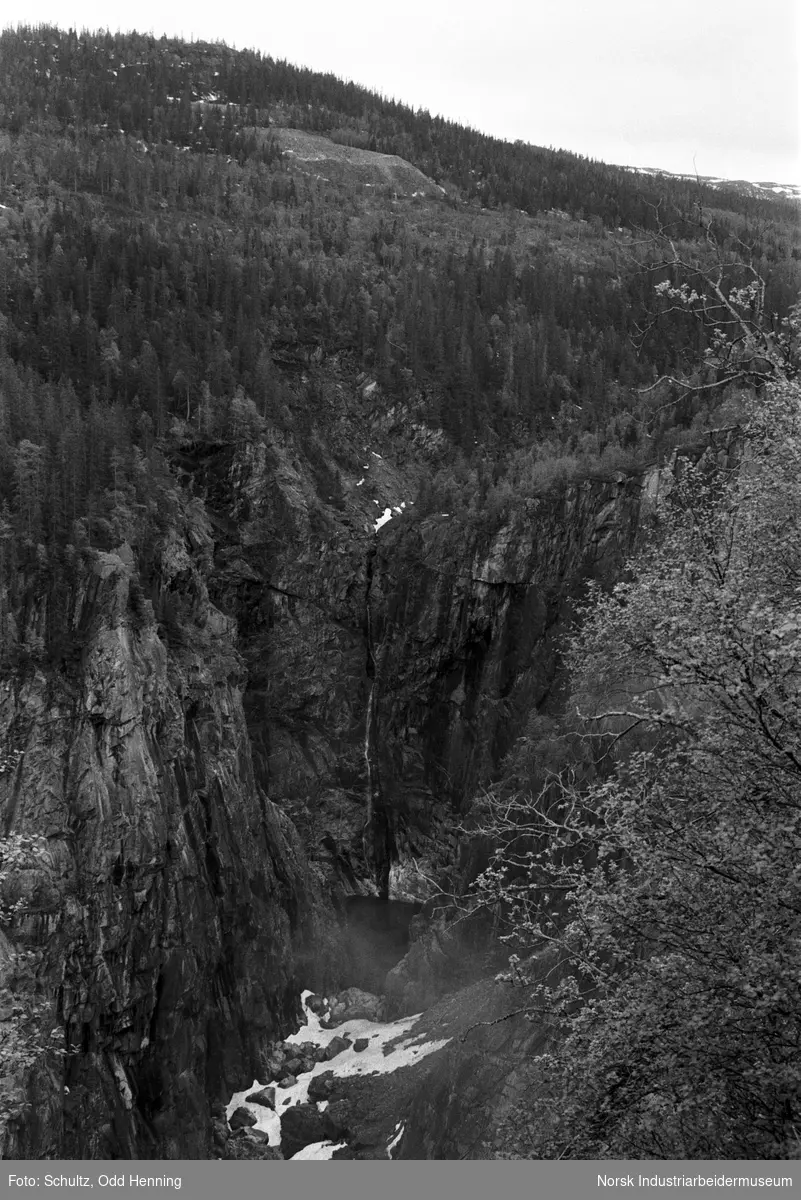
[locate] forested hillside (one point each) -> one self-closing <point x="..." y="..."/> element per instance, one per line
<point x="318" y="416"/>
<point x="161" y="259"/>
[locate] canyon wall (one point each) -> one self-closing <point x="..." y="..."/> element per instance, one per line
<point x="281" y="709"/>
<point x="162" y="911"/>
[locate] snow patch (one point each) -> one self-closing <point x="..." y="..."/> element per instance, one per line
<point x="317" y="1151"/>
<point x="361" y="481"/>
<point x="407" y="1049"/>
<point x="382" y="520"/>
<point x="398" y="1135"/>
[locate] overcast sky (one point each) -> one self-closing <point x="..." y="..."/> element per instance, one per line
<point x="677" y="84"/>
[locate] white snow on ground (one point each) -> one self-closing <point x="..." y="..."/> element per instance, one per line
<point x="374" y="454"/>
<point x="313" y="1030"/>
<point x="317" y="1151"/>
<point x="361" y="481"/>
<point x="372" y="1061"/>
<point x="399" y="1128"/>
<point x="387" y="514"/>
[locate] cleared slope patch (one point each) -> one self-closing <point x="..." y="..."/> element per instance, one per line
<point x="318" y="155"/>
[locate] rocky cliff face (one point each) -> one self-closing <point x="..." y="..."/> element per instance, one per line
<point x="163" y="909"/>
<point x="389" y="672"/>
<point x="304" y="721"/>
<point x="474" y="1099"/>
<point x="467" y="628"/>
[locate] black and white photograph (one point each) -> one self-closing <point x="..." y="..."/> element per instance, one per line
<point x="400" y="597"/>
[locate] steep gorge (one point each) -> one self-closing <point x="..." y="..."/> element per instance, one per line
<point x="282" y="577"/>
<point x="308" y="723"/>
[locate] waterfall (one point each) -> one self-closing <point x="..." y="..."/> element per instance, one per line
<point x="372" y="675"/>
<point x="377" y="841"/>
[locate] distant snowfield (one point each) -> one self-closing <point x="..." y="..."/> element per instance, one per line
<point x="791" y="191"/>
<point x="380" y="1058"/>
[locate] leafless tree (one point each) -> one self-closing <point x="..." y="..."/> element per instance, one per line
<point x="723" y="291"/>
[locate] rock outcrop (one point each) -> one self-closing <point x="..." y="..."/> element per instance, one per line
<point x="303" y="1124"/>
<point x="273" y="707"/>
<point x="479" y="1087"/>
<point x="163" y="911"/>
<point x="390" y="671"/>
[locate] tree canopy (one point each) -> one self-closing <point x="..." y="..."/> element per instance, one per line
<point x="663" y="873"/>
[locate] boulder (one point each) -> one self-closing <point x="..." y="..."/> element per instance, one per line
<point x="272" y="1064"/>
<point x="287" y="1081"/>
<point x="317" y="1004"/>
<point x="321" y="1086"/>
<point x="303" y="1124"/>
<point x="361" y="1044"/>
<point x="265" y="1097"/>
<point x="249" y="1147"/>
<point x="355" y="1005"/>
<point x="336" y="1046"/>
<point x="219" y="1135"/>
<point x="241" y="1118"/>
